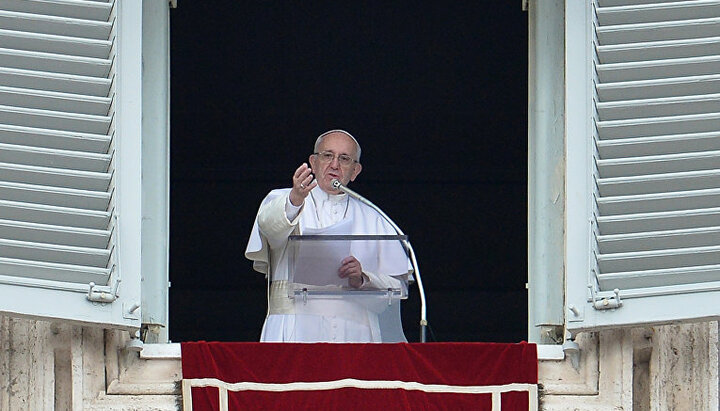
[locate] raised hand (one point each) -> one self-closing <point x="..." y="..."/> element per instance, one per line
<point x="303" y="182"/>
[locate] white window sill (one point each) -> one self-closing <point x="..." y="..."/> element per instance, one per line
<point x="171" y="351"/>
<point x="160" y="351"/>
<point x="550" y="352"/>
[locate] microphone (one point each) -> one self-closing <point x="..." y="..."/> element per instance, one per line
<point x="336" y="184"/>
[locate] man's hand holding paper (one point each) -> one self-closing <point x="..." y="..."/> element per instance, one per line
<point x="352" y="270"/>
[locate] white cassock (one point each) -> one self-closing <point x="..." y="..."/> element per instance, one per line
<point x="322" y="320"/>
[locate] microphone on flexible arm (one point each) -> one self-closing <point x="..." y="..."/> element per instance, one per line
<point x="336" y="184"/>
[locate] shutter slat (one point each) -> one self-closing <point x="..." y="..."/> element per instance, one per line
<point x="611" y="3"/>
<point x="55" y="196"/>
<point x="54" y="234"/>
<point x="647" y="203"/>
<point x="658" y="164"/>
<point x="54" y="139"/>
<point x="50" y="43"/>
<point x="659" y="240"/>
<point x="660" y="50"/>
<point x="649" y="13"/>
<point x="53" y="101"/>
<point x="55" y="63"/>
<point x="658" y="69"/>
<point x="659" y="259"/>
<point x="61" y="26"/>
<point x="659" y="183"/>
<point x="43" y="214"/>
<point x="53" y="271"/>
<point x="66" y="83"/>
<point x="644" y="32"/>
<point x="83" y="123"/>
<point x="660" y="278"/>
<point x="49" y="253"/>
<point x="646" y="127"/>
<point x="61" y="8"/>
<point x="73" y="160"/>
<point x="659" y="88"/>
<point x="658" y="145"/>
<point x="659" y="221"/>
<point x="83" y="180"/>
<point x="663" y="107"/>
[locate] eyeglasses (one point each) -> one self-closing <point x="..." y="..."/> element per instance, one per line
<point x="328" y="156"/>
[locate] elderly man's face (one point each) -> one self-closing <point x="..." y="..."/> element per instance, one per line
<point x="326" y="170"/>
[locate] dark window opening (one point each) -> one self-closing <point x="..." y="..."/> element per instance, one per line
<point x="437" y="96"/>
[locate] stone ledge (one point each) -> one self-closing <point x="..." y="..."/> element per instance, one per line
<point x="169" y="351"/>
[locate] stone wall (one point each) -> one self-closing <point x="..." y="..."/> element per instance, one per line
<point x="60" y="366"/>
<point x="663" y="368"/>
<point x="47" y="366"/>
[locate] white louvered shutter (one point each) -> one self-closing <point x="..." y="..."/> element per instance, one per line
<point x="59" y="168"/>
<point x="653" y="161"/>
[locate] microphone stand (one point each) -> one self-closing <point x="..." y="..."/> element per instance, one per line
<point x="406" y="244"/>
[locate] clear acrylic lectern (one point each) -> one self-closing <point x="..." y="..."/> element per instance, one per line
<point x="313" y="267"/>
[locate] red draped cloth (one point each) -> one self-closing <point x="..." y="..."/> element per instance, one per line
<point x="391" y="376"/>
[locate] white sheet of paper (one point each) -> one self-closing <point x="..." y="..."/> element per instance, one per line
<point x="317" y="262"/>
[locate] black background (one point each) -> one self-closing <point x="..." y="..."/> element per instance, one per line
<point x="436" y="94"/>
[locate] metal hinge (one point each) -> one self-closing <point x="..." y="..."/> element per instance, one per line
<point x="103" y="294"/>
<point x="605" y="303"/>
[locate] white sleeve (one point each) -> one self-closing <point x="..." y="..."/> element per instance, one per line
<point x="273" y="222"/>
<point x="292" y="211"/>
<point x="381" y="282"/>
